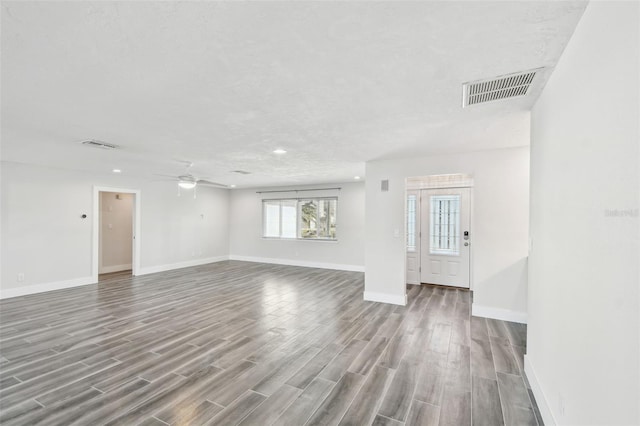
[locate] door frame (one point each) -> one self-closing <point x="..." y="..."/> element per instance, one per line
<point x="95" y="236"/>
<point x="472" y="227"/>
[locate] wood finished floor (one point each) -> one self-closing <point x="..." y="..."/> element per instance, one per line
<point x="253" y="344"/>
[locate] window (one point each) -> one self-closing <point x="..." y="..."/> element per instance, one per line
<point x="411" y="223"/>
<point x="444" y="232"/>
<point x="309" y="219"/>
<point x="279" y="218"/>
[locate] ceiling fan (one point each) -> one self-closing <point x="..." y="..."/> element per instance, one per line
<point x="188" y="181"/>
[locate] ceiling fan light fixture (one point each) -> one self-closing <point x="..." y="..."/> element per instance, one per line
<point x="186" y="184"/>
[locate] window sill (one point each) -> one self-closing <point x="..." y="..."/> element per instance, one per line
<point x="322" y="240"/>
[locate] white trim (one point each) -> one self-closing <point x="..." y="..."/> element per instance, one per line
<point x="291" y="262"/>
<point x="498" y="313"/>
<point x="95" y="237"/>
<point x="44" y="287"/>
<point x="448" y="181"/>
<point x="541" y="399"/>
<point x="317" y="240"/>
<point x="115" y="268"/>
<point x="77" y="282"/>
<point x="394" y="299"/>
<point x="179" y="265"/>
<point x="472" y="227"/>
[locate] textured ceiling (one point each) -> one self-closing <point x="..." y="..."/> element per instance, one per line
<point x="223" y="84"/>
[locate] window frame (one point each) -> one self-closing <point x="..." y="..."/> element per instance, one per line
<point x="299" y="201"/>
<point x="412" y="220"/>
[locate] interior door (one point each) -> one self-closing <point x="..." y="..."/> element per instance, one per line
<point x="412" y="237"/>
<point x="446" y="236"/>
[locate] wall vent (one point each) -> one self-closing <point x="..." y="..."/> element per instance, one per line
<point x="98" y="144"/>
<point x="241" y="172"/>
<point x="503" y="87"/>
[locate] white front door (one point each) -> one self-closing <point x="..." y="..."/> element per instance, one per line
<point x="412" y="237"/>
<point x="446" y="239"/>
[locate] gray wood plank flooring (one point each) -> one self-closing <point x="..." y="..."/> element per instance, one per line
<point x="253" y="344"/>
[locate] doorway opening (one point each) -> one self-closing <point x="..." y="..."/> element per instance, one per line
<point x="438" y="230"/>
<point x="116" y="241"/>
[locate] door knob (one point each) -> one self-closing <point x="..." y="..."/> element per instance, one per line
<point x="466" y="244"/>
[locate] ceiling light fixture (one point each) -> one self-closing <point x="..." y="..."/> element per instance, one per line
<point x="279" y="151"/>
<point x="187" y="181"/>
<point x="356" y="177"/>
<point x="232" y="186"/>
<point x="185" y="184"/>
<point x="117" y="171"/>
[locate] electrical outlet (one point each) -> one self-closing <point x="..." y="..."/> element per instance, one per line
<point x="20" y="277"/>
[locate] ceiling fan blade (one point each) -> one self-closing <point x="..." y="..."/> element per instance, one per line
<point x="164" y="180"/>
<point x="209" y="183"/>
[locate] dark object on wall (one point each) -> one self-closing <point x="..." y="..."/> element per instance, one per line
<point x="84" y="216"/>
<point x="384" y="185"/>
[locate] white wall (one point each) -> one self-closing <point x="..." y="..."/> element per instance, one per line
<point x="44" y="237"/>
<point x="116" y="232"/>
<point x="498" y="235"/>
<point x="583" y="334"/>
<point x="346" y="253"/>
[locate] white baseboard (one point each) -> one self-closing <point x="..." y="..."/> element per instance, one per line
<point x="291" y="262"/>
<point x="498" y="313"/>
<point x="394" y="299"/>
<point x="44" y="287"/>
<point x="179" y="265"/>
<point x="541" y="399"/>
<point x="114" y="268"/>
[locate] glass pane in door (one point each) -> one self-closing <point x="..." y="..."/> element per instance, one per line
<point x="444" y="225"/>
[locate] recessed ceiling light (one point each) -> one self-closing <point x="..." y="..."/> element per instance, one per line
<point x="356" y="177"/>
<point x="279" y="151"/>
<point x="117" y="171"/>
<point x="232" y="186"/>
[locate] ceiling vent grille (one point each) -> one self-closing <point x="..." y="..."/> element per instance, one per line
<point x="98" y="144"/>
<point x="503" y="87"/>
<point x="241" y="172"/>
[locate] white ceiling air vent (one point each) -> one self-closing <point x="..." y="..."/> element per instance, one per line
<point x="503" y="87"/>
<point x="241" y="172"/>
<point x="98" y="144"/>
